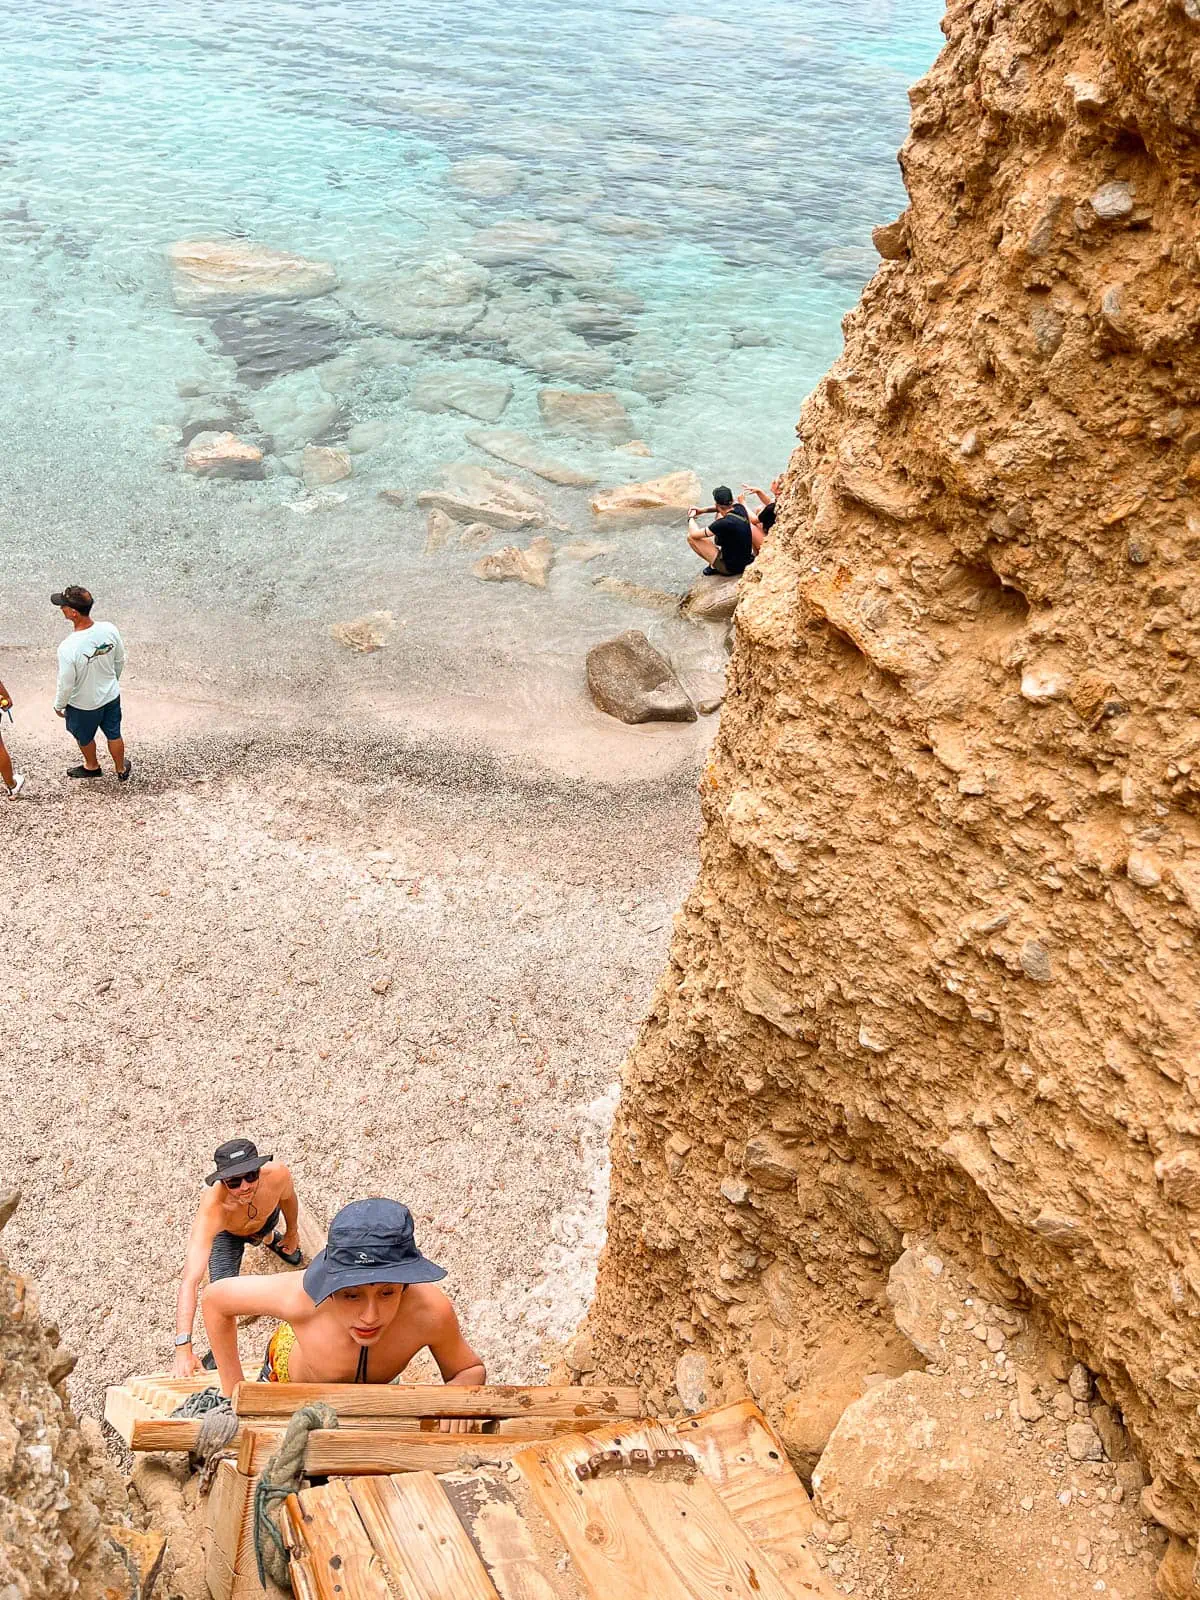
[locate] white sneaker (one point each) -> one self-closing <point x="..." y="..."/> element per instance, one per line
<point x="18" y="785"/>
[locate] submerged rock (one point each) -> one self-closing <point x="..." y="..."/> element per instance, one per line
<point x="223" y="455"/>
<point x="268" y="341"/>
<point x="636" y="594"/>
<point x="489" y="177"/>
<point x="205" y="271"/>
<point x="441" y="297"/>
<point x="513" y="243"/>
<point x="476" y="494"/>
<point x="364" y="634"/>
<point x="629" y="679"/>
<point x="596" y="415"/>
<point x="447" y="390"/>
<point x="524" y="566"/>
<point x="675" y="491"/>
<point x="321" y="464"/>
<point x="521" y="451"/>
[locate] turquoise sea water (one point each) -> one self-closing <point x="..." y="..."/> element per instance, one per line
<point x="710" y="177"/>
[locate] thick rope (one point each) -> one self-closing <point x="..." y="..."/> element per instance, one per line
<point x="281" y="1477"/>
<point x="218" y="1430"/>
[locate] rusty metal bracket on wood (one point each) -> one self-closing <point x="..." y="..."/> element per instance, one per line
<point x="605" y="1462"/>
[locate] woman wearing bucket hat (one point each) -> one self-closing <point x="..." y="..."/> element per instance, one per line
<point x="359" y="1314"/>
<point x="249" y="1199"/>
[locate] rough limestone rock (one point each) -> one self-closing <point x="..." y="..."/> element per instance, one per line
<point x="676" y="491"/>
<point x="914" y="940"/>
<point x="636" y="594"/>
<point x="486" y="399"/>
<point x="519" y="450"/>
<point x="509" y="564"/>
<point x="208" y="271"/>
<point x="476" y="494"/>
<point x="441" y="297"/>
<point x="364" y="634"/>
<point x="223" y="455"/>
<point x="710" y="599"/>
<point x="629" y="679"/>
<point x="598" y="415"/>
<point x="324" y="464"/>
<point x="56" y="1510"/>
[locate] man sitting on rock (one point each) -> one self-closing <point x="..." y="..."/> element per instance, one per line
<point x="360" y="1313"/>
<point x="247" y="1199"/>
<point x="726" y="544"/>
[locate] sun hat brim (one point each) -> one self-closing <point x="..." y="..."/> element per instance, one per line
<point x="322" y="1279"/>
<point x="239" y="1169"/>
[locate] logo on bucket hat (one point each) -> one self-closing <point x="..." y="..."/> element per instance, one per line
<point x="370" y="1241"/>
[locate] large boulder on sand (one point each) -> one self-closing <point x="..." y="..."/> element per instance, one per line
<point x="595" y="415"/>
<point x="207" y="271"/>
<point x="223" y="455"/>
<point x="675" y="491"/>
<point x="631" y="680"/>
<point x="710" y="599"/>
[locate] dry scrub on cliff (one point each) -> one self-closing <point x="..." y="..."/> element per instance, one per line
<point x="939" y="968"/>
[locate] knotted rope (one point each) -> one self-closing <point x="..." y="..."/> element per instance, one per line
<point x="281" y="1477"/>
<point x="218" y="1429"/>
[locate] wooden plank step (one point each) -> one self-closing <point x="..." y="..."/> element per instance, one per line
<point x="436" y="1400"/>
<point x="644" y="1536"/>
<point x="346" y="1451"/>
<point x="330" y="1547"/>
<point x="414" y="1528"/>
<point x="746" y="1463"/>
<point x="229" y="1517"/>
<point x="519" y="1549"/>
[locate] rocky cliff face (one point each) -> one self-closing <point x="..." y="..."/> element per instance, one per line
<point x="63" y="1521"/>
<point x="939" y="972"/>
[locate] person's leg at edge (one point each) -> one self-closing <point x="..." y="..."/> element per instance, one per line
<point x="90" y="759"/>
<point x="116" y="749"/>
<point x="6" y="767"/>
<point x="704" y="547"/>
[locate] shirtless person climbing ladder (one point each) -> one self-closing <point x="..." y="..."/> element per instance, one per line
<point x="250" y="1200"/>
<point x="360" y="1313"/>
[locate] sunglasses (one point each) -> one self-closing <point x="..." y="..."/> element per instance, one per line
<point x="236" y="1183"/>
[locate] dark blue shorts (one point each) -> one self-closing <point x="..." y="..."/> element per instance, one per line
<point x="82" y="725"/>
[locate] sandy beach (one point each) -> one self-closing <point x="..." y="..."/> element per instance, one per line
<point x="405" y="966"/>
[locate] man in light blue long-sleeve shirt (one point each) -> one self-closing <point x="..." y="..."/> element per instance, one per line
<point x="91" y="660"/>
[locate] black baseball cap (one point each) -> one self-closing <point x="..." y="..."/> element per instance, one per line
<point x="370" y="1241"/>
<point x="73" y="595"/>
<point x="722" y="496"/>
<point x="234" y="1159"/>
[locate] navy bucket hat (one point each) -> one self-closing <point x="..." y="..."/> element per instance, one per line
<point x="370" y="1241"/>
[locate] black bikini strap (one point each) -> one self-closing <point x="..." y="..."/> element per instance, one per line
<point x="360" y="1375"/>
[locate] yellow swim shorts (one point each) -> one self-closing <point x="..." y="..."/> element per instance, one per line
<point x="275" y="1367"/>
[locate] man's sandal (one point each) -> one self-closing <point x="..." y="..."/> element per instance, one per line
<point x="292" y="1257"/>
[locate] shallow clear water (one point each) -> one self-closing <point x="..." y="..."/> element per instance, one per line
<point x="712" y="177"/>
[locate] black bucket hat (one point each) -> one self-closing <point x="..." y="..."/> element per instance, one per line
<point x="234" y="1159"/>
<point x="370" y="1241"/>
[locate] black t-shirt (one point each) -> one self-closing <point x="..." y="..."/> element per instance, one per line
<point x="731" y="534"/>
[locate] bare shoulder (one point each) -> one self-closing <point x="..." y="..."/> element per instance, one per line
<point x="430" y="1309"/>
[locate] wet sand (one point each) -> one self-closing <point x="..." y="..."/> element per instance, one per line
<point x="406" y="966"/>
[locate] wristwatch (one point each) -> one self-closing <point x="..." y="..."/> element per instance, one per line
<point x="182" y="1339"/>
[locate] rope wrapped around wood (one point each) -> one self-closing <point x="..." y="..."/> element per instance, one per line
<point x="281" y="1477"/>
<point x="218" y="1430"/>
